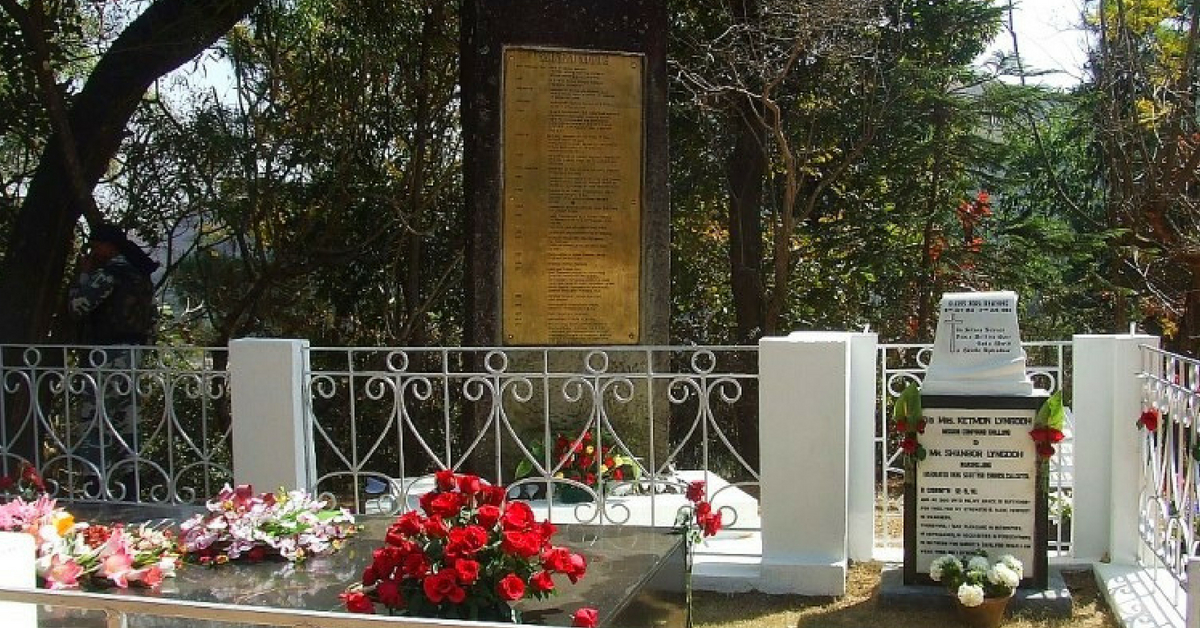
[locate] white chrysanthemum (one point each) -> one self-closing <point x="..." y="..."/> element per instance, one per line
<point x="978" y="563"/>
<point x="1002" y="575"/>
<point x="939" y="566"/>
<point x="1010" y="561"/>
<point x="970" y="595"/>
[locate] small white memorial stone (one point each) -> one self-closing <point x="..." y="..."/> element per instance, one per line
<point x="17" y="554"/>
<point x="977" y="347"/>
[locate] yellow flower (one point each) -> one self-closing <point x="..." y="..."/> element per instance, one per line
<point x="63" y="522"/>
<point x="558" y="475"/>
<point x="589" y="450"/>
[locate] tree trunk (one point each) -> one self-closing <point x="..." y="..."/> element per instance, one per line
<point x="746" y="168"/>
<point x="161" y="39"/>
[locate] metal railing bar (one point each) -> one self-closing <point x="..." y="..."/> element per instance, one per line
<point x="120" y="606"/>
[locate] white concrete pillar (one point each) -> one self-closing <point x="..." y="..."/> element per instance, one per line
<point x="272" y="436"/>
<point x="1106" y="403"/>
<point x="804" y="434"/>
<point x="17" y="554"/>
<point x="864" y="352"/>
<point x="1192" y="616"/>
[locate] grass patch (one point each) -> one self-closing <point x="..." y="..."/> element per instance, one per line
<point x="858" y="608"/>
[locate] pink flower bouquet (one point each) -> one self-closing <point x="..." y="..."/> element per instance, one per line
<point x="241" y="525"/>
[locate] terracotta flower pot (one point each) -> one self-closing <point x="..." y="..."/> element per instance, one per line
<point x="990" y="614"/>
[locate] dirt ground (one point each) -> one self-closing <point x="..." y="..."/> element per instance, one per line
<point x="858" y="609"/>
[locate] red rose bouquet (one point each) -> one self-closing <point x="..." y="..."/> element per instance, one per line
<point x="581" y="460"/>
<point x="469" y="555"/>
<point x="25" y="483"/>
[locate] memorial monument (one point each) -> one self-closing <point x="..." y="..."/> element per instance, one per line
<point x="564" y="108"/>
<point x="979" y="484"/>
<point x="565" y="172"/>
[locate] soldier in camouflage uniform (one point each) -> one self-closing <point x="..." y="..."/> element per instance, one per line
<point x="113" y="298"/>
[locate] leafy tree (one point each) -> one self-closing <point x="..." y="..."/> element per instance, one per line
<point x="1145" y="81"/>
<point x="87" y="130"/>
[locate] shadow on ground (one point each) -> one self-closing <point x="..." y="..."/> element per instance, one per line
<point x="859" y="608"/>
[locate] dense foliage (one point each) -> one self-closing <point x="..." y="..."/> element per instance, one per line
<point x="834" y="165"/>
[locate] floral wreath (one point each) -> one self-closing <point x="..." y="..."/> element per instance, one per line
<point x="1048" y="426"/>
<point x="908" y="422"/>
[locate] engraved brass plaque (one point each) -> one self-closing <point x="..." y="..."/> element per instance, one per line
<point x="572" y="161"/>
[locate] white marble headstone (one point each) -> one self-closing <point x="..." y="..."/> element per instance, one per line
<point x="977" y="347"/>
<point x="17" y="569"/>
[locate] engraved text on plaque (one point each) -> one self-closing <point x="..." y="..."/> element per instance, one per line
<point x="572" y="171"/>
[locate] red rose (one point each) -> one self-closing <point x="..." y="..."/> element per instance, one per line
<point x="358" y="602"/>
<point x="443" y="585"/>
<point x="445" y="479"/>
<point x="576" y="568"/>
<point x="702" y="509"/>
<point x="711" y="523"/>
<point x="488" y="515"/>
<point x="557" y="559"/>
<point x="492" y="495"/>
<point x="370" y="576"/>
<point x="909" y="445"/>
<point x="415" y="565"/>
<point x="921" y="426"/>
<point x="542" y="581"/>
<point x="695" y="491"/>
<point x="1149" y="419"/>
<point x="435" y="527"/>
<point x="387" y="559"/>
<point x="546" y="529"/>
<point x="466" y="570"/>
<point x="901" y="426"/>
<point x="1045" y="450"/>
<point x="6" y="483"/>
<point x="585" y="617"/>
<point x="618" y="474"/>
<point x="510" y="588"/>
<point x="410" y="523"/>
<point x="389" y="594"/>
<point x="517" y="516"/>
<point x="521" y="544"/>
<point x="469" y="484"/>
<point x="446" y="505"/>
<point x="426" y="501"/>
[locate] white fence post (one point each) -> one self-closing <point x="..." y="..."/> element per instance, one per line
<point x="1192" y="616"/>
<point x="272" y="439"/>
<point x="18" y="554"/>
<point x="1107" y="400"/>
<point x="805" y="409"/>
<point x="864" y="352"/>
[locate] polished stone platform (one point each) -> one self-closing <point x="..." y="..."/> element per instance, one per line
<point x="634" y="578"/>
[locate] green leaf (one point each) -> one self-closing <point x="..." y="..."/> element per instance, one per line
<point x="523" y="468"/>
<point x="920" y="453"/>
<point x="1051" y="413"/>
<point x="908" y="405"/>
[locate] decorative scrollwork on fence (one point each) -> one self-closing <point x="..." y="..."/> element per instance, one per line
<point x="1170" y="519"/>
<point x="384" y="419"/>
<point x="114" y="423"/>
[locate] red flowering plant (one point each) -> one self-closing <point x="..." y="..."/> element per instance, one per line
<point x="468" y="554"/>
<point x="909" y="423"/>
<point x="695" y="523"/>
<point x="1048" y="426"/>
<point x="25" y="483"/>
<point x="1149" y="419"/>
<point x="581" y="461"/>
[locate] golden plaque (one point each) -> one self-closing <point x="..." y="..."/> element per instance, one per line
<point x="572" y="173"/>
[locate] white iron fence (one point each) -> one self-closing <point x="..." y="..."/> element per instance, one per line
<point x="117" y="423"/>
<point x="1170" y="509"/>
<point x="597" y="435"/>
<point x="1047" y="364"/>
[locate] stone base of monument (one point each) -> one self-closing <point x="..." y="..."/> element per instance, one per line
<point x="1055" y="601"/>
